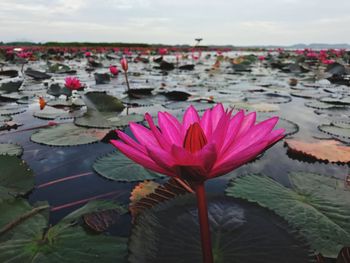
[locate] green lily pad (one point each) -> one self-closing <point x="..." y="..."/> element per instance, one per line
<point x="317" y="205"/>
<point x="62" y="243"/>
<point x="12" y="86"/>
<point x="12" y="109"/>
<point x="240" y="232"/>
<point x="320" y="105"/>
<point x="260" y="107"/>
<point x="67" y="135"/>
<point x="107" y="120"/>
<point x="15" y="175"/>
<point x="103" y="102"/>
<point x="335" y="130"/>
<point x="10" y="149"/>
<point x="50" y="113"/>
<point x="116" y="166"/>
<point x="336" y="101"/>
<point x="16" y="211"/>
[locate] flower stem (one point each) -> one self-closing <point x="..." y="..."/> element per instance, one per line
<point x="204" y="223"/>
<point x="127" y="81"/>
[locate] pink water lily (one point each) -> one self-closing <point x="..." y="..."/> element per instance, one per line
<point x="72" y="83"/>
<point x="199" y="148"/>
<point x="230" y="141"/>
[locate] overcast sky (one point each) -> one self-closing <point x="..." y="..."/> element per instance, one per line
<point x="245" y="22"/>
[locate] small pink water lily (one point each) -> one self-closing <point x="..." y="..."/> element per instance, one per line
<point x="198" y="149"/>
<point x="114" y="70"/>
<point x="72" y="83"/>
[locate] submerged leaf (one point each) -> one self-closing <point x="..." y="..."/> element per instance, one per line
<point x="240" y="232"/>
<point x="317" y="205"/>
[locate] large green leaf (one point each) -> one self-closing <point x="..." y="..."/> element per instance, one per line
<point x="67" y="135"/>
<point x="118" y="167"/>
<point x="317" y="205"/>
<point x="15" y="212"/>
<point x="29" y="239"/>
<point x="61" y="244"/>
<point x="15" y="175"/>
<point x="240" y="232"/>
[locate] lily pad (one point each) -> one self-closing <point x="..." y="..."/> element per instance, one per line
<point x="118" y="167"/>
<point x="50" y="113"/>
<point x="67" y="134"/>
<point x="96" y="119"/>
<point x="103" y="102"/>
<point x="240" y="232"/>
<point x="61" y="243"/>
<point x="12" y="86"/>
<point x="10" y="149"/>
<point x="320" y="105"/>
<point x="319" y="206"/>
<point x="336" y="101"/>
<point x="335" y="130"/>
<point x="12" y="109"/>
<point x="324" y="150"/>
<point x="15" y="175"/>
<point x="261" y="107"/>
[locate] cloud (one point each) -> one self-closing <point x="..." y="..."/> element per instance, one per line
<point x="168" y="21"/>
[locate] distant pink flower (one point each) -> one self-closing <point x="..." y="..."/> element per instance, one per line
<point x="261" y="58"/>
<point x="198" y="148"/>
<point x="72" y="83"/>
<point x="24" y="54"/>
<point x="311" y="54"/>
<point x="124" y="64"/>
<point x="114" y="70"/>
<point x="162" y="51"/>
<point x="327" y="61"/>
<point x="87" y="54"/>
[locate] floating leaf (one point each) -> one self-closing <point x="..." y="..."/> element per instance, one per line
<point x="60" y="244"/>
<point x="320" y="105"/>
<point x="261" y="107"/>
<point x="96" y="119"/>
<point x="317" y="205"/>
<point x="10" y="149"/>
<point x="324" y="150"/>
<point x="15" y="175"/>
<point x="336" y="101"/>
<point x="335" y="130"/>
<point x="12" y="86"/>
<point x="103" y="102"/>
<point x="117" y="167"/>
<point x="15" y="213"/>
<point x="67" y="135"/>
<point x="50" y="113"/>
<point x="11" y="109"/>
<point x="240" y="232"/>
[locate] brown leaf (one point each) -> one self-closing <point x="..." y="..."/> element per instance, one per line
<point x="344" y="255"/>
<point x="102" y="220"/>
<point x="148" y="194"/>
<point x="325" y="150"/>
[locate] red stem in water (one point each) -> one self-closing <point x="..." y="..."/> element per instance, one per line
<point x="204" y="223"/>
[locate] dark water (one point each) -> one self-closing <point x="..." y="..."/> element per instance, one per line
<point x="51" y="165"/>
